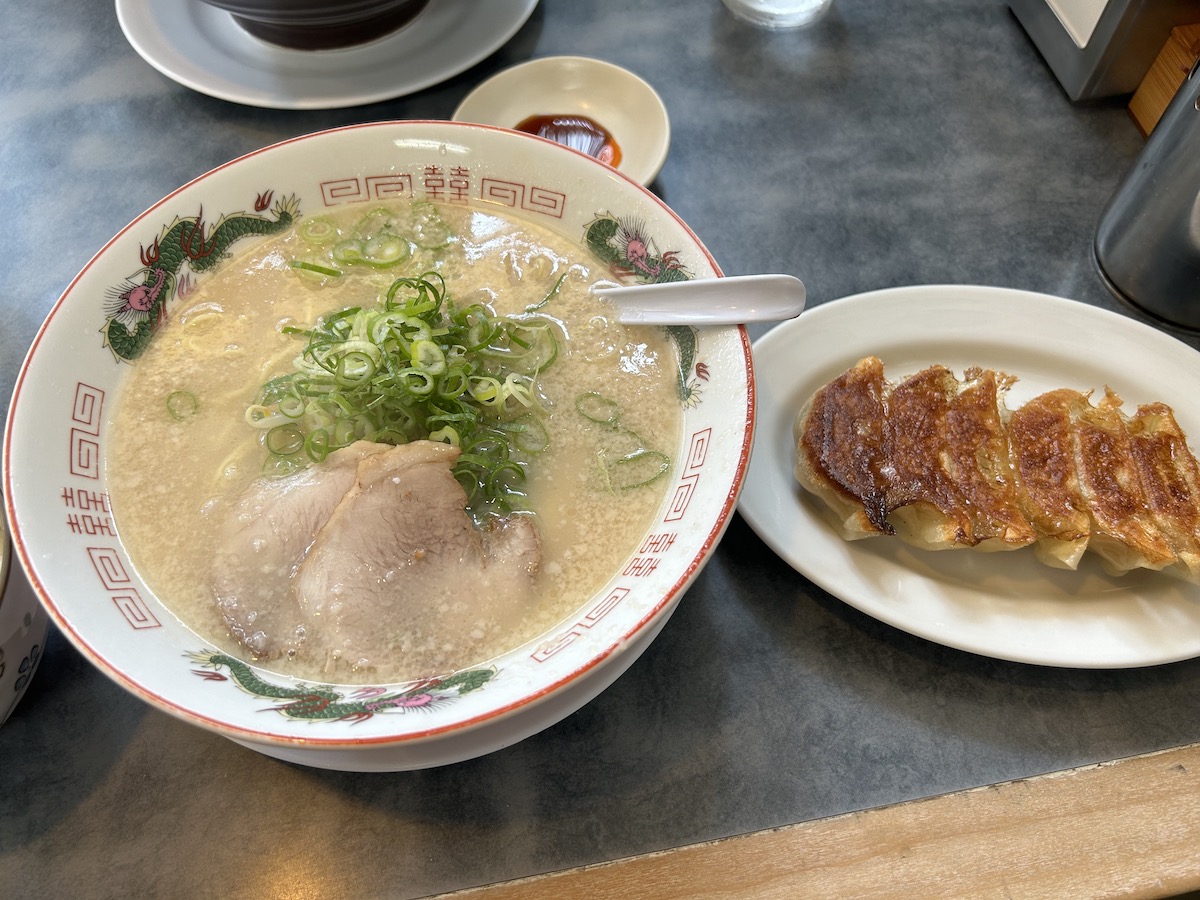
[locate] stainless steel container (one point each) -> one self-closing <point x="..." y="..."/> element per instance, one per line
<point x="23" y="626"/>
<point x="1148" y="242"/>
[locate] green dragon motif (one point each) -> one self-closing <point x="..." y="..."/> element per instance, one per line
<point x="630" y="253"/>
<point x="187" y="245"/>
<point x="323" y="703"/>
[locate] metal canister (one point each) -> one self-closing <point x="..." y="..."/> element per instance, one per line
<point x="23" y="626"/>
<point x="1147" y="245"/>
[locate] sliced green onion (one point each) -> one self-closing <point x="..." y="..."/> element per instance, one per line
<point x="349" y="252"/>
<point x="598" y="408"/>
<point x="522" y="338"/>
<point x="490" y="445"/>
<point x="345" y="433"/>
<point x="417" y="382"/>
<point x="182" y="405"/>
<point x="526" y="347"/>
<point x="554" y="291"/>
<point x="417" y="368"/>
<point x="354" y="367"/>
<point x="516" y="387"/>
<point x="447" y="434"/>
<point x="316" y="268"/>
<point x="383" y="251"/>
<point x="487" y="390"/>
<point x="318" y="230"/>
<point x="529" y="434"/>
<point x="480" y="328"/>
<point x="284" y="440"/>
<point x="507" y="474"/>
<point x="292" y="406"/>
<point x="625" y="460"/>
<point x="316" y="445"/>
<point x="428" y="357"/>
<point x="543" y="353"/>
<point x="452" y="384"/>
<point x="262" y="417"/>
<point x="637" y="469"/>
<point x="619" y="442"/>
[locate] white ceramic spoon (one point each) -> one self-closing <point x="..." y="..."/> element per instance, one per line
<point x="735" y="300"/>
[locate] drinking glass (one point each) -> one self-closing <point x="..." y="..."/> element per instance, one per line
<point x="778" y="13"/>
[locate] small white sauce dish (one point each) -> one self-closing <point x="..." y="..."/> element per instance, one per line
<point x="23" y="627"/>
<point x="629" y="108"/>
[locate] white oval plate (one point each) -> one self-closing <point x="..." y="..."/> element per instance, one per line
<point x="203" y="48"/>
<point x="1003" y="605"/>
<point x="615" y="98"/>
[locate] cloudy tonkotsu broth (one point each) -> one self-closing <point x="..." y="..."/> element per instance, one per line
<point x="173" y="482"/>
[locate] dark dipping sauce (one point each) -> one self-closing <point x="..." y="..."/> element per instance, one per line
<point x="577" y="132"/>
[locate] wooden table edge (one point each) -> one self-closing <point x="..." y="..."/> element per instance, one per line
<point x="1124" y="828"/>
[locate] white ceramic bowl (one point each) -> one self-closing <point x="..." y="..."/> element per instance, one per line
<point x="23" y="627"/>
<point x="61" y="412"/>
<point x="629" y="108"/>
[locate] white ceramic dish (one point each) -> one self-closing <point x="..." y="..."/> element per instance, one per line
<point x="69" y="545"/>
<point x="615" y="98"/>
<point x="23" y="628"/>
<point x="1005" y="605"/>
<point x="203" y="48"/>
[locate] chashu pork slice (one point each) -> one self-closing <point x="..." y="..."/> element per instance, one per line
<point x="342" y="559"/>
<point x="262" y="542"/>
<point x="400" y="556"/>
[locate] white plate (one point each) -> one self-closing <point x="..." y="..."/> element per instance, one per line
<point x="1004" y="605"/>
<point x="624" y="104"/>
<point x="203" y="48"/>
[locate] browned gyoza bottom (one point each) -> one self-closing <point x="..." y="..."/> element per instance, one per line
<point x="941" y="462"/>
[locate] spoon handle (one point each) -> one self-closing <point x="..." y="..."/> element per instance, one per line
<point x="735" y="300"/>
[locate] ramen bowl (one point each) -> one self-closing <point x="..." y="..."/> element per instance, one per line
<point x="61" y="428"/>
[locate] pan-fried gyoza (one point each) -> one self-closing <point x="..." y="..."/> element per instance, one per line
<point x="942" y="463"/>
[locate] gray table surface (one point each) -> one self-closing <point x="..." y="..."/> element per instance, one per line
<point x="899" y="142"/>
